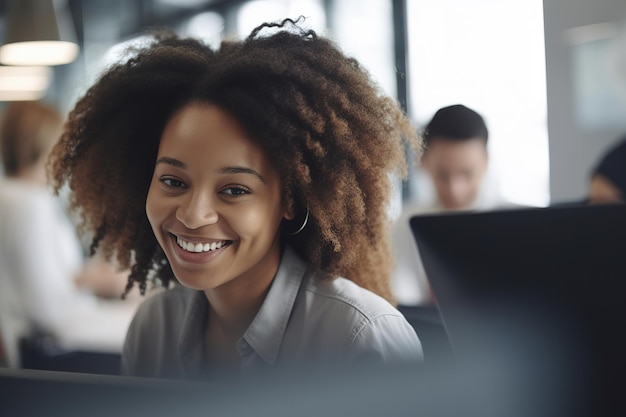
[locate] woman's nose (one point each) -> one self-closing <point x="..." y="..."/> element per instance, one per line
<point x="197" y="211"/>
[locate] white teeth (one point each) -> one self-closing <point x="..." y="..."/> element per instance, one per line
<point x="199" y="247"/>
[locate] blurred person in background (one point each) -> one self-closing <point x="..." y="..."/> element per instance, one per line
<point x="608" y="178"/>
<point x="46" y="284"/>
<point x="3" y="355"/>
<point x="455" y="159"/>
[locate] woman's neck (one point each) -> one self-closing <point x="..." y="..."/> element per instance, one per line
<point x="231" y="311"/>
<point x="233" y="306"/>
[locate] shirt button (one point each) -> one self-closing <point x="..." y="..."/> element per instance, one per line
<point x="243" y="347"/>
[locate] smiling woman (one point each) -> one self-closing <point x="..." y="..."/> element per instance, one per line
<point x="213" y="186"/>
<point x="257" y="177"/>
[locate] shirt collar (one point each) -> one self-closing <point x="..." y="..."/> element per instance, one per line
<point x="265" y="333"/>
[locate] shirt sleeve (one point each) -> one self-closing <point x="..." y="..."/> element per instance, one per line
<point x="129" y="351"/>
<point x="153" y="338"/>
<point x="141" y="343"/>
<point x="388" y="339"/>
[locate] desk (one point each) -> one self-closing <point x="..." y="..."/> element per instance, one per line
<point x="91" y="342"/>
<point x="101" y="329"/>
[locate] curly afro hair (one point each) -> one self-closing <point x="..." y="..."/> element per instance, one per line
<point x="336" y="139"/>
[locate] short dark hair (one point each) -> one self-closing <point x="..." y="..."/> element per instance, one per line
<point x="456" y="122"/>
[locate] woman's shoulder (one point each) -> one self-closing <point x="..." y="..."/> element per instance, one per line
<point x="375" y="329"/>
<point x="345" y="294"/>
<point x="163" y="313"/>
<point x="165" y="302"/>
<point x="164" y="310"/>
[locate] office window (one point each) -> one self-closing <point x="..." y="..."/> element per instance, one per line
<point x="364" y="30"/>
<point x="255" y="12"/>
<point x="208" y="26"/>
<point x="488" y="55"/>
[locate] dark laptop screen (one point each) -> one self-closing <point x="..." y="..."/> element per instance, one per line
<point x="542" y="289"/>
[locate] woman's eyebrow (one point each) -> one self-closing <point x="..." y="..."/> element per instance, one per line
<point x="171" y="161"/>
<point x="241" y="170"/>
<point x="225" y="170"/>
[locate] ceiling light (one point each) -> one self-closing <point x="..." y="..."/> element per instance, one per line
<point x="34" y="37"/>
<point x="21" y="95"/>
<point x="24" y="83"/>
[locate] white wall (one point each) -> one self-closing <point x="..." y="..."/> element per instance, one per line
<point x="582" y="54"/>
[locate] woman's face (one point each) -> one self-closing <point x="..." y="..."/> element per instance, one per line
<point x="215" y="202"/>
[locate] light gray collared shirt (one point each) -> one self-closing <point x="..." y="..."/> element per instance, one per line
<point x="302" y="321"/>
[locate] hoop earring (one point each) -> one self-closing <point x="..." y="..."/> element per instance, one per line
<point x="306" y="220"/>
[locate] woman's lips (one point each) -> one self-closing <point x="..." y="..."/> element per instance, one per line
<point x="198" y="252"/>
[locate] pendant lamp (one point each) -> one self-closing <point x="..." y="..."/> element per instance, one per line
<point x="34" y="36"/>
<point x="24" y="83"/>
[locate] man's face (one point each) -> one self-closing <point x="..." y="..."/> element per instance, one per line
<point x="457" y="169"/>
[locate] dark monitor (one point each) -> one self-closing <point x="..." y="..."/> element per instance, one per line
<point x="27" y="392"/>
<point x="536" y="294"/>
<point x="391" y="391"/>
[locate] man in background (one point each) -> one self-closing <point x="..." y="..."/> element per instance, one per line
<point x="455" y="159"/>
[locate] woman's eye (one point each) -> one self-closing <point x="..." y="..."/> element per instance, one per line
<point x="235" y="191"/>
<point x="173" y="183"/>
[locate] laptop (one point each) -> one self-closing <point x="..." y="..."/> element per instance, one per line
<point x="537" y="297"/>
